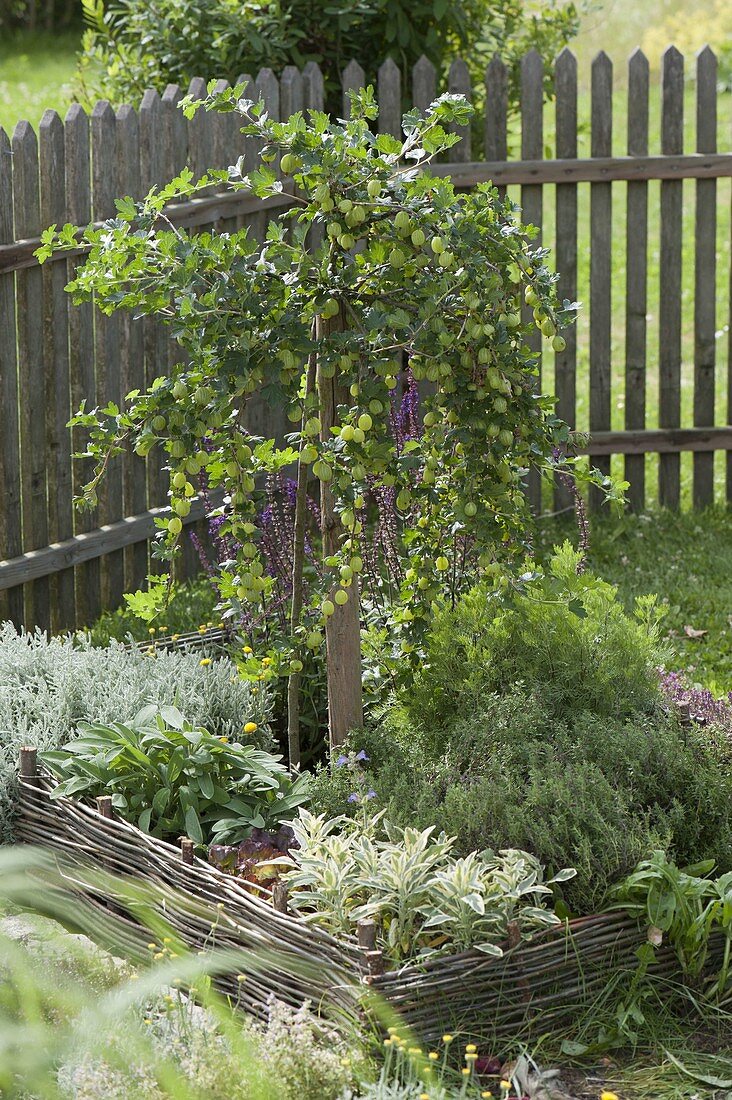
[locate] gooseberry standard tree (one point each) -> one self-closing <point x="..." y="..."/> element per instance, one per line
<point x="379" y="263"/>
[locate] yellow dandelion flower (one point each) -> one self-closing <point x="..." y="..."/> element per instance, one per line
<point x="609" y="1096"/>
<point x="447" y="1038"/>
<point x="471" y="1048"/>
<point x="224" y="740"/>
<point x="266" y="661"/>
<point x="205" y="661"/>
<point x="250" y="727"/>
<point x="247" y="649"/>
<point x="433" y="1055"/>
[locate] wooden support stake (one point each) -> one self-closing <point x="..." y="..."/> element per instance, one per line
<point x="28" y="764"/>
<point x="367" y="935"/>
<point x="374" y="963"/>
<point x="279" y="897"/>
<point x="104" y="805"/>
<point x="186" y="850"/>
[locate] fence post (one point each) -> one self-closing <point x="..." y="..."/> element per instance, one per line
<point x="601" y="263"/>
<point x="353" y="79"/>
<point x="31" y="370"/>
<point x="669" y="313"/>
<point x="532" y="148"/>
<point x="458" y="83"/>
<point x="56" y="355"/>
<point x="390" y="99"/>
<point x="705" y="274"/>
<point x="636" y="290"/>
<point x="565" y="362"/>
<point x="11" y="540"/>
<point x="424" y="84"/>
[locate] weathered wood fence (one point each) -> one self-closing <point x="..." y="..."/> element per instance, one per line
<point x="58" y="568"/>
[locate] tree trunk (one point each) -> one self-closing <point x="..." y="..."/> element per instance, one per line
<point x="298" y="564"/>
<point x="343" y="628"/>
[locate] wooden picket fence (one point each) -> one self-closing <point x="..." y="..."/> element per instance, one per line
<point x="59" y="568"/>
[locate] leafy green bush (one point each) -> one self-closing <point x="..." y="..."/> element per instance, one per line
<point x="537" y="724"/>
<point x="190" y="606"/>
<point x="47" y="687"/>
<point x="172" y="778"/>
<point x="564" y="636"/>
<point x="132" y="45"/>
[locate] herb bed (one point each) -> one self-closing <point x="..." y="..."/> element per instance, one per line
<point x="544" y="981"/>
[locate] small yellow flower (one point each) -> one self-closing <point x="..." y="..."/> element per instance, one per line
<point x="487" y="1095"/>
<point x="202" y="629"/>
<point x="250" y="727"/>
<point x="205" y="661"/>
<point x="247" y="649"/>
<point x="158" y="955"/>
<point x="470" y="1057"/>
<point x="220" y="905"/>
<point x="266" y="662"/>
<point x="414" y="1050"/>
<point x="176" y="637"/>
<point x="222" y="626"/>
<point x="471" y="1048"/>
<point x="392" y="1031"/>
<point x="152" y="946"/>
<point x="162" y="629"/>
<point x="388" y="1042"/>
<point x="148" y="1021"/>
<point x="424" y="1096"/>
<point x="506" y="1086"/>
<point x="465" y="1071"/>
<point x="150" y="649"/>
<point x="609" y="1096"/>
<point x="433" y="1056"/>
<point x="345" y="1061"/>
<point x="241" y="978"/>
<point x="447" y="1038"/>
<point x="151" y="630"/>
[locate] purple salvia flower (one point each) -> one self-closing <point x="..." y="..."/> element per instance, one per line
<point x="354" y="797"/>
<point x="341" y="761"/>
<point x="362" y="755"/>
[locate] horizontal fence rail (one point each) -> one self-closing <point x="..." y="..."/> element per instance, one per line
<point x="635" y="234"/>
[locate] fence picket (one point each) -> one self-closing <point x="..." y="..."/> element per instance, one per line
<point x="31" y="370"/>
<point x="424" y="84"/>
<point x="132" y="364"/>
<point x="669" y="359"/>
<point x="313" y="87"/>
<point x="458" y="83"/>
<point x="636" y="291"/>
<point x="601" y="262"/>
<point x="532" y="148"/>
<point x="705" y="273"/>
<point x="81" y="356"/>
<point x="495" y="131"/>
<point x="152" y="171"/>
<point x="107" y="333"/>
<point x="11" y="539"/>
<point x="390" y="99"/>
<point x="353" y="79"/>
<point x="565" y="362"/>
<point x="51" y="148"/>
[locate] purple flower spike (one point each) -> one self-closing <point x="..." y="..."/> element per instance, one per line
<point x="362" y="755"/>
<point x="353" y="797"/>
<point x="341" y="761"/>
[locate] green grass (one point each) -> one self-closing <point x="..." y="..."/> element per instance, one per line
<point x="687" y="561"/>
<point x="36" y="71"/>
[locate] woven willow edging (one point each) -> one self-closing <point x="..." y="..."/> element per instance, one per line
<point x="541" y="983"/>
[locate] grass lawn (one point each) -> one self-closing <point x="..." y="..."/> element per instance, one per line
<point x="36" y="71"/>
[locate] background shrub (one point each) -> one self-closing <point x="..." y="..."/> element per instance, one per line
<point x="46" y="687"/>
<point x="132" y="44"/>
